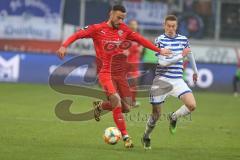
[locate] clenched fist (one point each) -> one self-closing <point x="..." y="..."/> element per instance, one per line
<point x="61" y="52"/>
<point x="165" y="52"/>
<point x="186" y="51"/>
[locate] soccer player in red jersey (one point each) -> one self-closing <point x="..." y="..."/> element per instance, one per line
<point x="111" y="38"/>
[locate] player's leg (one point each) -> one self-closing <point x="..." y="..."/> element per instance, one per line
<point x="151" y="123"/>
<point x="118" y="117"/>
<point x="126" y="102"/>
<point x="189" y="101"/>
<point x="183" y="92"/>
<point x="109" y="88"/>
<point x="125" y="93"/>
<point x="120" y="122"/>
<point x="99" y="106"/>
<point x="160" y="89"/>
<point x="127" y="105"/>
<point x="116" y="103"/>
<point x="188" y="107"/>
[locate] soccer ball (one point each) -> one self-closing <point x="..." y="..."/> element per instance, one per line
<point x="112" y="135"/>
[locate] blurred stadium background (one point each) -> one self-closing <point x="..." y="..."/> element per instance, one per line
<point x="32" y="30"/>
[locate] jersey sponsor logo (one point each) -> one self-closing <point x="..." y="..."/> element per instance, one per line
<point x="112" y="45"/>
<point x="109" y="46"/>
<point x="120" y="32"/>
<point x="125" y="45"/>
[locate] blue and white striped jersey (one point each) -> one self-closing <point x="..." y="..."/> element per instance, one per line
<point x="176" y="45"/>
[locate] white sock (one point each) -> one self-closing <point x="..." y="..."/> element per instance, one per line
<point x="125" y="137"/>
<point x="182" y="111"/>
<point x="149" y="126"/>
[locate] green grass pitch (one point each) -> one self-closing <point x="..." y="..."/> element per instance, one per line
<point x="30" y="130"/>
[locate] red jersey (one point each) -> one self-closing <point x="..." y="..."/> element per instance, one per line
<point x="109" y="42"/>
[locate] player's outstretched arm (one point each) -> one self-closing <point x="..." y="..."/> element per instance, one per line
<point x="194" y="66"/>
<point x="148" y="44"/>
<point x="165" y="61"/>
<point x="61" y="52"/>
<point x="187" y="52"/>
<point x="82" y="33"/>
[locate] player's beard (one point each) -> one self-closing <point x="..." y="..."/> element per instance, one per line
<point x="115" y="25"/>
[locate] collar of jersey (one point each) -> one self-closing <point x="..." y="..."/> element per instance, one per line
<point x="171" y="37"/>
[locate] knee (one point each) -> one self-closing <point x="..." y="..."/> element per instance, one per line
<point x="115" y="100"/>
<point x="125" y="106"/>
<point x="125" y="109"/>
<point x="156" y="115"/>
<point x="191" y="106"/>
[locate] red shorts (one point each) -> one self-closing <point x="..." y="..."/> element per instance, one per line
<point x="114" y="84"/>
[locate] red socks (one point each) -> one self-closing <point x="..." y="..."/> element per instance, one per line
<point x="119" y="120"/>
<point x="117" y="116"/>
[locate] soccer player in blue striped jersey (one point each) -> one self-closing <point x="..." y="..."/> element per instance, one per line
<point x="168" y="79"/>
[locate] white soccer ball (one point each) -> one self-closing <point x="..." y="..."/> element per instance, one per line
<point x="112" y="135"/>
